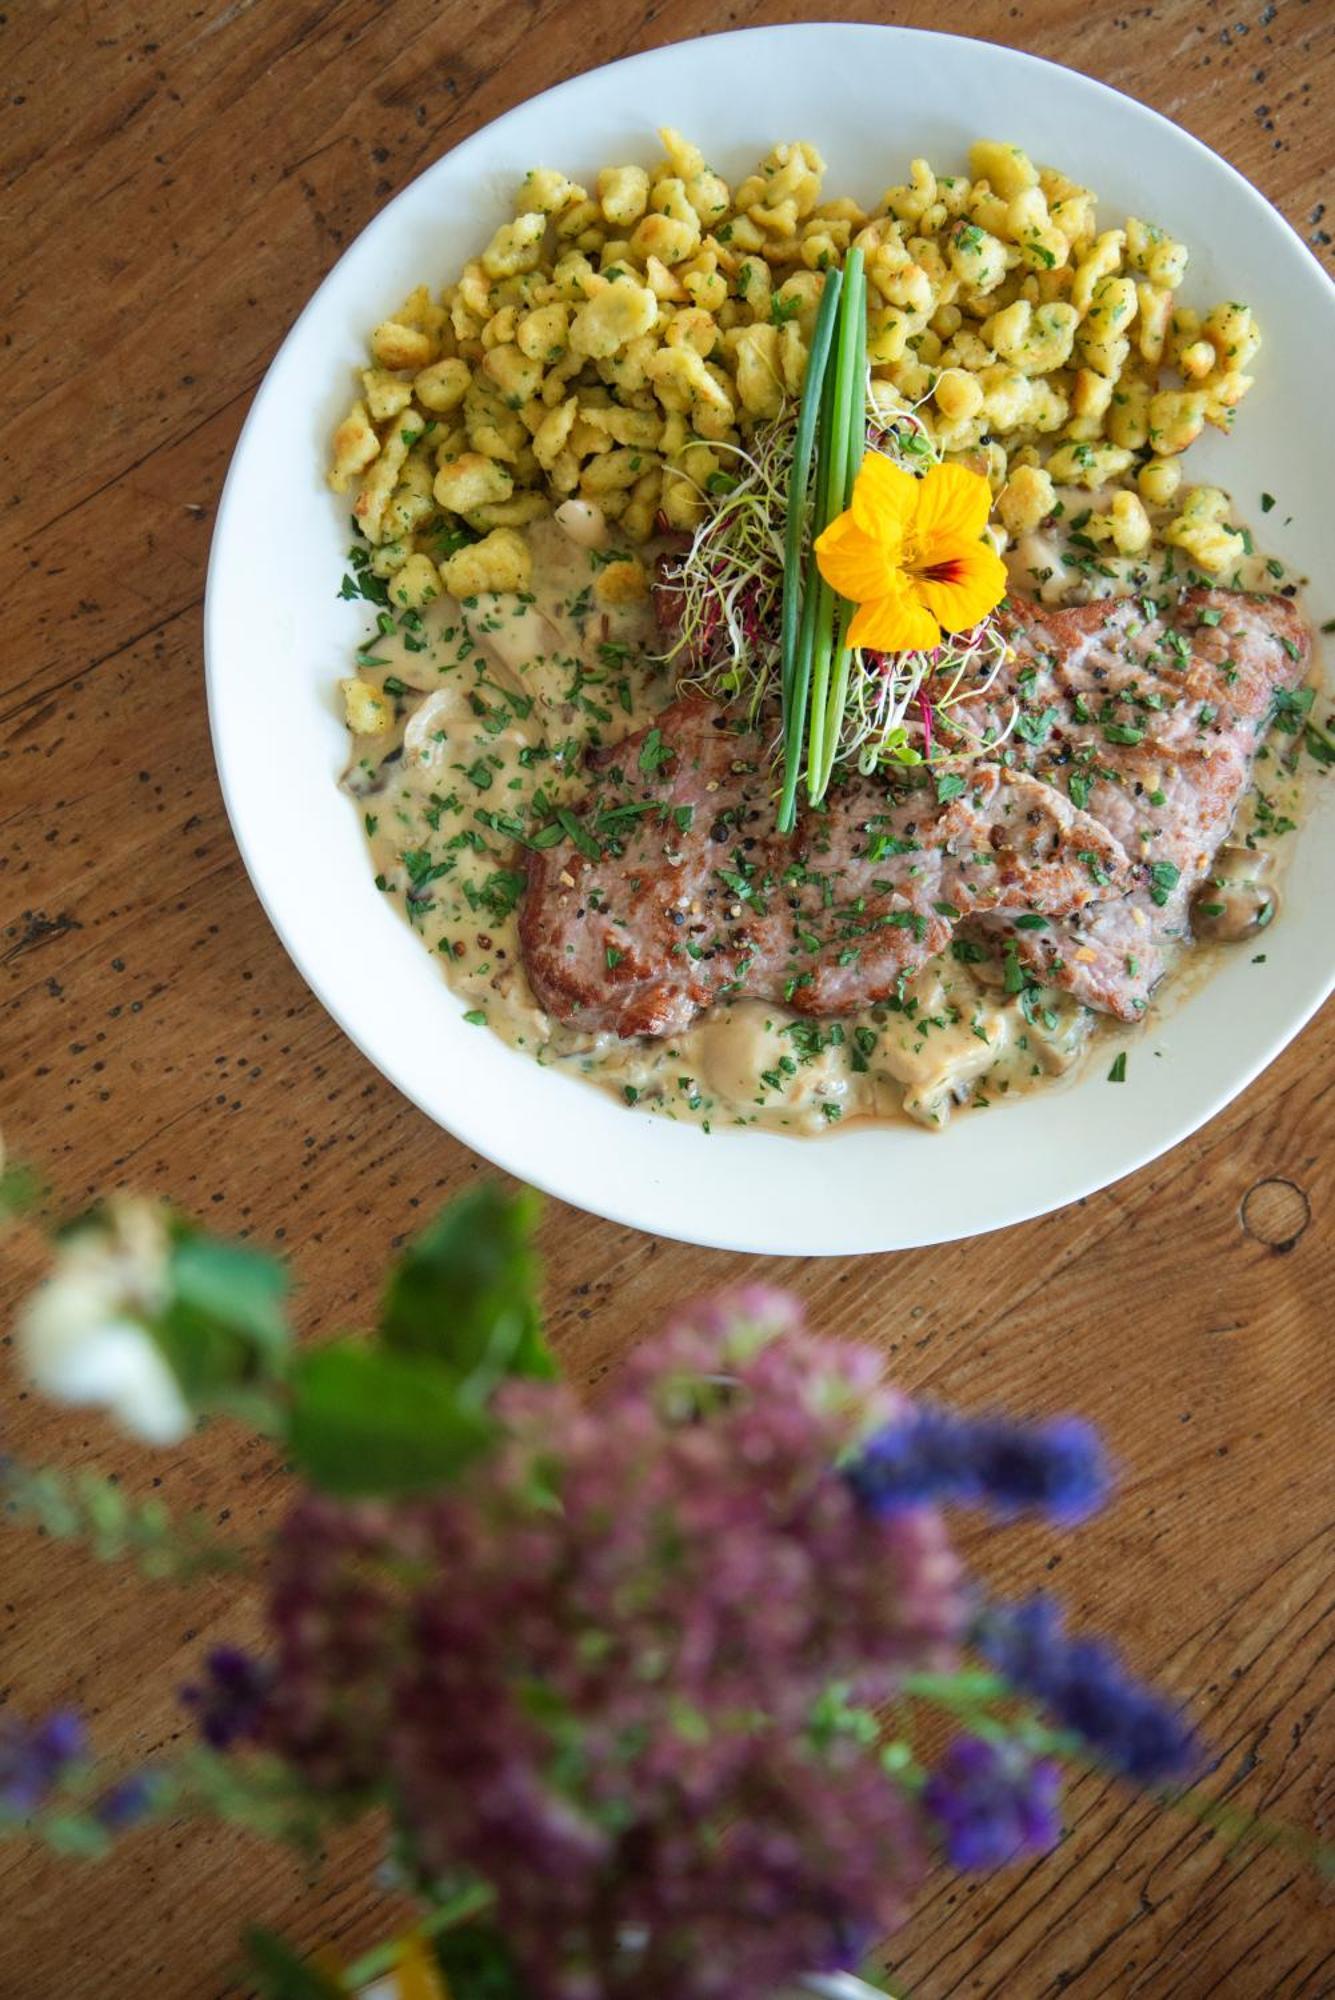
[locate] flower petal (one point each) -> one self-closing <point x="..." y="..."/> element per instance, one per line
<point x="965" y="588"/>
<point x="952" y="506"/>
<point x="896" y="623"/>
<point x="855" y="563"/>
<point x="884" y="498"/>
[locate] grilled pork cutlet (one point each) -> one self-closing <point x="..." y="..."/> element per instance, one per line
<point x="695" y="897"/>
<point x="1150" y="722"/>
<point x="1079" y="846"/>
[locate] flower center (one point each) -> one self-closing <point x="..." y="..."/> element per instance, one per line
<point x="950" y="569"/>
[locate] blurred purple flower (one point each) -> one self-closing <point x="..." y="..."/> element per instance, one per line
<point x="35" y="1756"/>
<point x="589" y="1673"/>
<point x="1084" y="1687"/>
<point x="993" y="1803"/>
<point x="230" y="1705"/>
<point x="932" y="1455"/>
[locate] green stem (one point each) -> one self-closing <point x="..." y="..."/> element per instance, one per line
<point x="383" y="1958"/>
<point x="818" y="591"/>
<point x="803" y="442"/>
<point x="817" y="601"/>
<point x="847" y="402"/>
<point x="857" y="445"/>
<point x="795" y="716"/>
<point x="801" y="607"/>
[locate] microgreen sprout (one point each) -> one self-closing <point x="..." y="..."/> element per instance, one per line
<point x="884" y="709"/>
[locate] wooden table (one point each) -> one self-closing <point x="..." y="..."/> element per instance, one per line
<point x="177" y="178"/>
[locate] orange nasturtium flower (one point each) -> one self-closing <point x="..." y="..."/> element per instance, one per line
<point x="909" y="554"/>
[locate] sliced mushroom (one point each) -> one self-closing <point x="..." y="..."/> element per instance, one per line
<point x="425" y="738"/>
<point x="365" y="777"/>
<point x="1233" y="903"/>
<point x="585" y="523"/>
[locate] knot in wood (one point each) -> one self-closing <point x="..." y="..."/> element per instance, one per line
<point x="1275" y="1212"/>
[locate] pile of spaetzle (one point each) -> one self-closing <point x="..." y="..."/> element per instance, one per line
<point x="618" y="344"/>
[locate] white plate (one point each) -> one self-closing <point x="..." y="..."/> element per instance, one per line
<point x="277" y="637"/>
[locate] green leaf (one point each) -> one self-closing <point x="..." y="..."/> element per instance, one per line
<point x="464" y="1294"/>
<point x="20" y="1191"/>
<point x="234" y="1285"/>
<point x="365" y="1421"/>
<point x="281" y="1975"/>
<point x="223" y="1330"/>
<point x="476" y="1962"/>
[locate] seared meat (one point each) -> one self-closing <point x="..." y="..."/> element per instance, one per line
<point x="1151" y="724"/>
<point x="695" y="896"/>
<point x="1078" y="849"/>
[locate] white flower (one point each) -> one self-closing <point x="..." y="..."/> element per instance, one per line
<point x="83" y="1335"/>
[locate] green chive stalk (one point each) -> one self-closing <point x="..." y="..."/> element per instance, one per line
<point x="800" y="480"/>
<point x="801" y="608"/>
<point x="838" y="441"/>
<point x="818" y="773"/>
<point x="817" y="610"/>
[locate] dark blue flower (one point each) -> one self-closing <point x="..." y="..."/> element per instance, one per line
<point x="993" y="1802"/>
<point x="125" y="1803"/>
<point x="35" y="1756"/>
<point x="936" y="1455"/>
<point x="849" y="1946"/>
<point x="230" y="1706"/>
<point x="1085" y="1688"/>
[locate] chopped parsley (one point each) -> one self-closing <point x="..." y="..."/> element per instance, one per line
<point x="1290" y="708"/>
<point x="580" y="835"/>
<point x="882" y="845"/>
<point x="1034" y="728"/>
<point x="654" y="752"/>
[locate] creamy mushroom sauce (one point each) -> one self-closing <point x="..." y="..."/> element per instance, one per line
<point x="1059" y="564"/>
<point x="498" y="699"/>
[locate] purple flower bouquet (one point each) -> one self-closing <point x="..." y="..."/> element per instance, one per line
<point x="672" y="1696"/>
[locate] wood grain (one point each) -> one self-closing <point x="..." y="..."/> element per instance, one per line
<point x="176" y="179"/>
